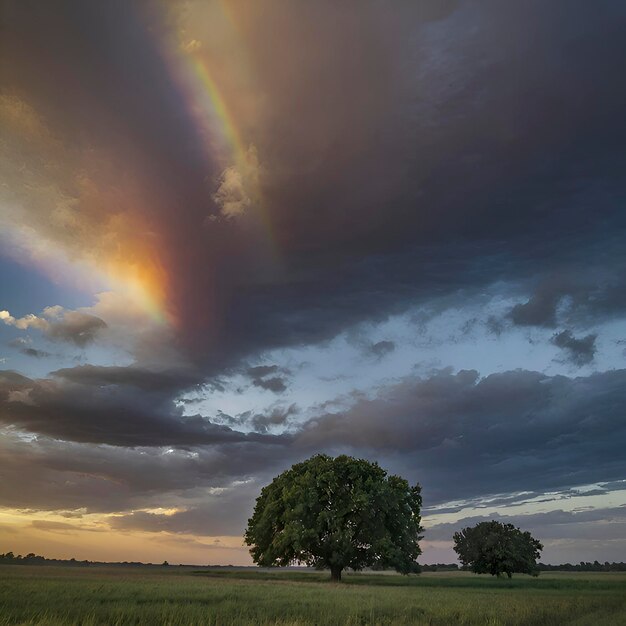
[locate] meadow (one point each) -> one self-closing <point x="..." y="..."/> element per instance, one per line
<point x="179" y="595"/>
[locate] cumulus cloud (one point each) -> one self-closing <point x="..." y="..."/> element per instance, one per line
<point x="58" y="324"/>
<point x="26" y="322"/>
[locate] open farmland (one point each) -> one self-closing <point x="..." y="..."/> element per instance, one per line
<point x="176" y="595"/>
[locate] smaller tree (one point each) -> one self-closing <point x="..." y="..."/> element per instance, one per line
<point x="495" y="548"/>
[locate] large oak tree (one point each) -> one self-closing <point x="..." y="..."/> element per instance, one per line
<point x="337" y="513"/>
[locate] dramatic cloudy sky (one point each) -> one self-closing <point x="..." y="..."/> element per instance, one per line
<point x="237" y="233"/>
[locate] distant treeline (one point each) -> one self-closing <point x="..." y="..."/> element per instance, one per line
<point x="584" y="566"/>
<point x="439" y="567"/>
<point x="33" y="559"/>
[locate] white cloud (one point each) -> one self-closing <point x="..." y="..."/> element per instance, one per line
<point x="57" y="323"/>
<point x="238" y="186"/>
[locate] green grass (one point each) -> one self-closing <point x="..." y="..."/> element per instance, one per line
<point x="115" y="596"/>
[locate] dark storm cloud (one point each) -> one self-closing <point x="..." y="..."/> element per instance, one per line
<point x="468" y="159"/>
<point x="120" y="415"/>
<point x="436" y="149"/>
<point x="579" y="350"/>
<point x="47" y="474"/>
<point x="147" y="380"/>
<point x="580" y="295"/>
<point x="459" y="435"/>
<point x="263" y="376"/>
<point x="462" y="436"/>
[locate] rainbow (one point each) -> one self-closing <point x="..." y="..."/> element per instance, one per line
<point x="217" y="104"/>
<point x="190" y="67"/>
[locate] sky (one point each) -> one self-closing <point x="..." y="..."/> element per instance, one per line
<point x="237" y="233"/>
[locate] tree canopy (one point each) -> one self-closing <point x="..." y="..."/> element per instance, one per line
<point x="495" y="548"/>
<point x="337" y="513"/>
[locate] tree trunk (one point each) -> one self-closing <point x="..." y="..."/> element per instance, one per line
<point x="335" y="574"/>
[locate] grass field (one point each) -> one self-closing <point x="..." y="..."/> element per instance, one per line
<point x="112" y="596"/>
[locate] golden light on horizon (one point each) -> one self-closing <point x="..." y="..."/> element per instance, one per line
<point x="88" y="536"/>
